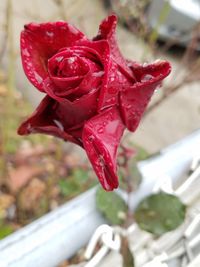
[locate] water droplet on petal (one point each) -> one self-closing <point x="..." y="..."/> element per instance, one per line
<point x="59" y="124"/>
<point x="50" y="34"/>
<point x="38" y="77"/>
<point x="98" y="74"/>
<point x="146" y="77"/>
<point x="58" y="59"/>
<point x="25" y="52"/>
<point x="100" y="130"/>
<point x="71" y="60"/>
<point x="145" y="64"/>
<point x="91" y="138"/>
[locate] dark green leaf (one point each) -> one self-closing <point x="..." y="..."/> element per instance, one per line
<point x="160" y="213"/>
<point x="141" y="153"/>
<point x="112" y="206"/>
<point x="74" y="184"/>
<point x="69" y="187"/>
<point x="80" y="176"/>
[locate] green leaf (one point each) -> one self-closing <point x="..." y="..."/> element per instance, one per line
<point x="69" y="187"/>
<point x="112" y="206"/>
<point x="5" y="230"/>
<point x="80" y="176"/>
<point x="141" y="153"/>
<point x="160" y="213"/>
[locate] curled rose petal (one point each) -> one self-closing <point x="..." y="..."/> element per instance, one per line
<point x="45" y="121"/>
<point x="39" y="42"/>
<point x="101" y="137"/>
<point x="134" y="99"/>
<point x="62" y="119"/>
<point x="118" y="72"/>
<point x="107" y="31"/>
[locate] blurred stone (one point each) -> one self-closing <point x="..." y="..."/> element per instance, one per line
<point x="30" y="196"/>
<point x="20" y="176"/>
<point x="6" y="202"/>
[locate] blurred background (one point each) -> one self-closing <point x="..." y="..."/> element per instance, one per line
<point x="36" y="173"/>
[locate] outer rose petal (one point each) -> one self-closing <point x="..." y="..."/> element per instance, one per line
<point x="45" y="121"/>
<point x="107" y="31"/>
<point x="39" y="42"/>
<point x="118" y="73"/>
<point x="101" y="137"/>
<point x="134" y="99"/>
<point x="62" y="119"/>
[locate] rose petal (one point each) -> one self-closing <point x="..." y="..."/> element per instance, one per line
<point x="92" y="55"/>
<point x="107" y="30"/>
<point x="111" y="86"/>
<point x="117" y="72"/>
<point x="134" y="99"/>
<point x="101" y="137"/>
<point x="112" y="78"/>
<point x="45" y="121"/>
<point x="73" y="113"/>
<point x="39" y="42"/>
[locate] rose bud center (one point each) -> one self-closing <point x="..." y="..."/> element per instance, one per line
<point x="70" y="67"/>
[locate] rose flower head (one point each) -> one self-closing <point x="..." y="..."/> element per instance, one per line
<point x="92" y="92"/>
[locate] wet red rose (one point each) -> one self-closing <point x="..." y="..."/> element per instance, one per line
<point x="92" y="92"/>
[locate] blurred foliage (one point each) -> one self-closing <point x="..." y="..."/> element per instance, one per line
<point x="132" y="173"/>
<point x="141" y="153"/>
<point x="112" y="206"/>
<point x="76" y="183"/>
<point x="5" y="230"/>
<point x="160" y="213"/>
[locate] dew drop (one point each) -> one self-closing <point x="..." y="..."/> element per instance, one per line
<point x="50" y="34"/>
<point x="38" y="77"/>
<point x="59" y="124"/>
<point x="146" y="77"/>
<point x="98" y="74"/>
<point x="58" y="59"/>
<point x="145" y="64"/>
<point x="128" y="106"/>
<point x="100" y="130"/>
<point x="101" y="161"/>
<point x="25" y="52"/>
<point x="71" y="60"/>
<point x="91" y="138"/>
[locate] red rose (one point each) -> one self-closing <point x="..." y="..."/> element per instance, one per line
<point x="92" y="92"/>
